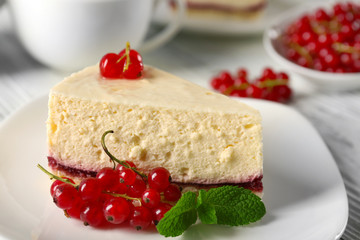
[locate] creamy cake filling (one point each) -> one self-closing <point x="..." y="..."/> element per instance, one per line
<point x="254" y="185"/>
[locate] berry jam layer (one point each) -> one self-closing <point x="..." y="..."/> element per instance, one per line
<point x="215" y="6"/>
<point x="226" y="8"/>
<point x="70" y="172"/>
<point x="255" y="185"/>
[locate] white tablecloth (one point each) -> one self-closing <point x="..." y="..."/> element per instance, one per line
<point x="335" y="115"/>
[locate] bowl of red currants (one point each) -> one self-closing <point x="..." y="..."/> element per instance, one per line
<point x="320" y="42"/>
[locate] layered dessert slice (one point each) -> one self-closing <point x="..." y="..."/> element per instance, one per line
<point x="225" y="9"/>
<point x="203" y="138"/>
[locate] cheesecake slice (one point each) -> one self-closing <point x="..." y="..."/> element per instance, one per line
<point x="203" y="138"/>
<point x="225" y="9"/>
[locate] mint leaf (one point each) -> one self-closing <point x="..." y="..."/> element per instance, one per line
<point x="180" y="217"/>
<point x="227" y="205"/>
<point x="206" y="211"/>
<point x="235" y="206"/>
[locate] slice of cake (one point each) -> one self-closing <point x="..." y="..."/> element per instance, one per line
<point x="203" y="138"/>
<point x="225" y="9"/>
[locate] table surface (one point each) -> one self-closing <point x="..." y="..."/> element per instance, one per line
<point x="336" y="116"/>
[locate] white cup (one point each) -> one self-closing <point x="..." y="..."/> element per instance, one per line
<point x="71" y="34"/>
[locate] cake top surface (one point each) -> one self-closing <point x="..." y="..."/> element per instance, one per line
<point x="156" y="88"/>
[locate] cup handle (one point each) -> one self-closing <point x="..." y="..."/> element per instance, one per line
<point x="169" y="31"/>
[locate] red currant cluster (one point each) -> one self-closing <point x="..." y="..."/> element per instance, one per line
<point x="270" y="85"/>
<point x="117" y="195"/>
<point x="127" y="64"/>
<point x="326" y="40"/>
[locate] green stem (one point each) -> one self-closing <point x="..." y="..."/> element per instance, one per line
<point x="127" y="54"/>
<point x="55" y="177"/>
<point x="121" y="58"/>
<point x="114" y="159"/>
<point x="272" y="83"/>
<point x="123" y="196"/>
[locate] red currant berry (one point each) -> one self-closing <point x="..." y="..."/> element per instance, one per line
<point x="241" y="81"/>
<point x="308" y="36"/>
<point x="120" y="188"/>
<point x="116" y="210"/>
<point x="75" y="210"/>
<point x="319" y="65"/>
<point x="302" y="61"/>
<point x="224" y="87"/>
<point x="140" y="218"/>
<point x="338" y="9"/>
<point x="226" y="78"/>
<point x="150" y="198"/>
<point x="292" y="54"/>
<point x="65" y="196"/>
<point x="332" y="60"/>
<point x="111" y="66"/>
<point x="136" y="65"/>
<point x="159" y="211"/>
<point x="172" y="193"/>
<point x="107" y="178"/>
<point x="105" y="197"/>
<point x="216" y="83"/>
<point x="159" y="178"/>
<point x="238" y="93"/>
<point x="268" y="73"/>
<point x="283" y="92"/>
<point x="127" y="176"/>
<point x="89" y="189"/>
<point x="242" y="73"/>
<point x="92" y="214"/>
<point x="130" y="164"/>
<point x="303" y="24"/>
<point x="321" y="15"/>
<point x="346" y="59"/>
<point x="57" y="183"/>
<point x="255" y="91"/>
<point x="282" y="75"/>
<point x="272" y="96"/>
<point x="137" y="188"/>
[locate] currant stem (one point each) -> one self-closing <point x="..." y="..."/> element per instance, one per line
<point x="114" y="159"/>
<point x="242" y="86"/>
<point x="56" y="177"/>
<point x="121" y="58"/>
<point x="127" y="54"/>
<point x="302" y="51"/>
<point x="272" y="83"/>
<point x="123" y="196"/>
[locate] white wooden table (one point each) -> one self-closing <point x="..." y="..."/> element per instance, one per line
<point x="194" y="57"/>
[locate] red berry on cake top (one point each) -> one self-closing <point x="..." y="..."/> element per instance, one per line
<point x="125" y="65"/>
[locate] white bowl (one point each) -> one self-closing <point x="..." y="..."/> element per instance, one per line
<point x="321" y="80"/>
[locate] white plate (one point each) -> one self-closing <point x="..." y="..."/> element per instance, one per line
<point x="303" y="190"/>
<point x="228" y="27"/>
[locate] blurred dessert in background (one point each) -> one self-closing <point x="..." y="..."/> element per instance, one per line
<point x="225" y="9"/>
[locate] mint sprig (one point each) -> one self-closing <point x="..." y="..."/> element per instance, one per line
<point x="226" y="205"/>
<point x="206" y="211"/>
<point x="180" y="217"/>
<point x="235" y="206"/>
